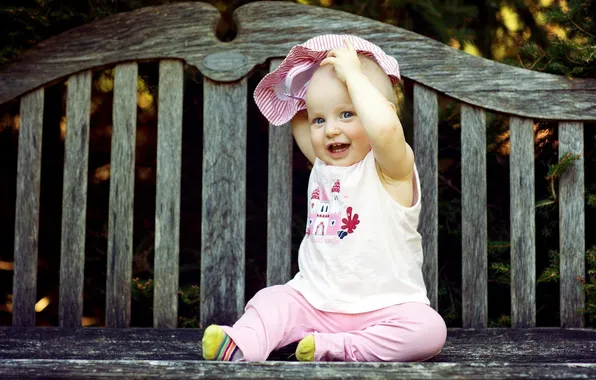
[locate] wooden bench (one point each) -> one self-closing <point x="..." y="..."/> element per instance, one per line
<point x="185" y="32"/>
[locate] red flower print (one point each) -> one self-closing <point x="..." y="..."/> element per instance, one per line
<point x="350" y="222"/>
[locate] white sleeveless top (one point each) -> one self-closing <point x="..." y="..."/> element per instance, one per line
<point x="362" y="251"/>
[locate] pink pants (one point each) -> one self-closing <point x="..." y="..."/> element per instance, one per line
<point x="279" y="315"/>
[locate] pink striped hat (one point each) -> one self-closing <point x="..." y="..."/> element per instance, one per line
<point x="281" y="93"/>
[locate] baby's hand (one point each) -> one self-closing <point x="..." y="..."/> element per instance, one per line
<point x="344" y="60"/>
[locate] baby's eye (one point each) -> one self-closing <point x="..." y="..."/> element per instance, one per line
<point x="346" y="114"/>
<point x="318" y="120"/>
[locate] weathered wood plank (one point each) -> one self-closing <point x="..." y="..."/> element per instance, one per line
<point x="572" y="240"/>
<point x="523" y="223"/>
<point x="426" y="148"/>
<point x="74" y="199"/>
<point x="182" y="30"/>
<point x="167" y="208"/>
<point x="27" y="209"/>
<point x="449" y="71"/>
<point x="474" y="219"/>
<point x="268" y="30"/>
<point x="224" y="202"/>
<point x="506" y="345"/>
<point x="122" y="176"/>
<point x="279" y="202"/>
<point x="275" y="370"/>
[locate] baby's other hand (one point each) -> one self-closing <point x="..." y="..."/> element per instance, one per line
<point x="344" y="60"/>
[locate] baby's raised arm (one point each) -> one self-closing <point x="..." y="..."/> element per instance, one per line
<point x="301" y="132"/>
<point x="377" y="114"/>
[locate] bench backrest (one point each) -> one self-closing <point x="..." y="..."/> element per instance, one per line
<point x="266" y="31"/>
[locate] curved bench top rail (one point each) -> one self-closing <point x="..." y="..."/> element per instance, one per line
<point x="268" y="30"/>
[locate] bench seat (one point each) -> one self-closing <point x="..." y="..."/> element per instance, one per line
<point x="146" y="352"/>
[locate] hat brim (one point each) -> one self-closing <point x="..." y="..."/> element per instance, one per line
<point x="281" y="93"/>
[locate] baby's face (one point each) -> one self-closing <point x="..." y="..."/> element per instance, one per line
<point x="337" y="135"/>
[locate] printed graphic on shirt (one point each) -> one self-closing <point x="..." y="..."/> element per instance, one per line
<point x="329" y="220"/>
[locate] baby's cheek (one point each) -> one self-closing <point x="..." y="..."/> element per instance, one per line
<point x="316" y="139"/>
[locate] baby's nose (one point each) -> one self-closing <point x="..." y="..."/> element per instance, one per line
<point x="332" y="129"/>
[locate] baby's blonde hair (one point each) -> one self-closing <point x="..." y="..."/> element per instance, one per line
<point x="374" y="73"/>
<point x="378" y="77"/>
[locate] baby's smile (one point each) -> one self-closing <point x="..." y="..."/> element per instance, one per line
<point x="338" y="151"/>
<point x="337" y="147"/>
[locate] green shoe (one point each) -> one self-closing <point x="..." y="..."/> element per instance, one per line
<point x="217" y="345"/>
<point x="305" y="352"/>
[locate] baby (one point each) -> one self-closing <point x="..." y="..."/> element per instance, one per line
<point x="359" y="294"/>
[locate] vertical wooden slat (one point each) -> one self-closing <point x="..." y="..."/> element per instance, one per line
<point x="572" y="226"/>
<point x="27" y="209"/>
<point x="279" y="202"/>
<point x="167" y="208"/>
<point x="74" y="199"/>
<point x="426" y="148"/>
<point x="474" y="224"/>
<point x="224" y="202"/>
<point x="122" y="170"/>
<point x="523" y="224"/>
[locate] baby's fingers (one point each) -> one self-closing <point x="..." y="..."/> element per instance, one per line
<point x="328" y="61"/>
<point x="349" y="45"/>
<point x="339" y="52"/>
<point x="332" y="53"/>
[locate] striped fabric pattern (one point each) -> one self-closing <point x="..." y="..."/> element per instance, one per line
<point x="227" y="350"/>
<point x="281" y="93"/>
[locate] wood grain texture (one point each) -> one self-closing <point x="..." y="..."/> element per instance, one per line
<point x="224" y="202"/>
<point x="426" y="148"/>
<point x="279" y="202"/>
<point x="182" y="30"/>
<point x="167" y="207"/>
<point x="225" y="61"/>
<point x="178" y="369"/>
<point x="572" y="228"/>
<point x="523" y="223"/>
<point x="122" y="176"/>
<point x="74" y="199"/>
<point x="474" y="219"/>
<point x="502" y="345"/>
<point x="269" y="30"/>
<point x="174" y="353"/>
<point x="27" y="209"/>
